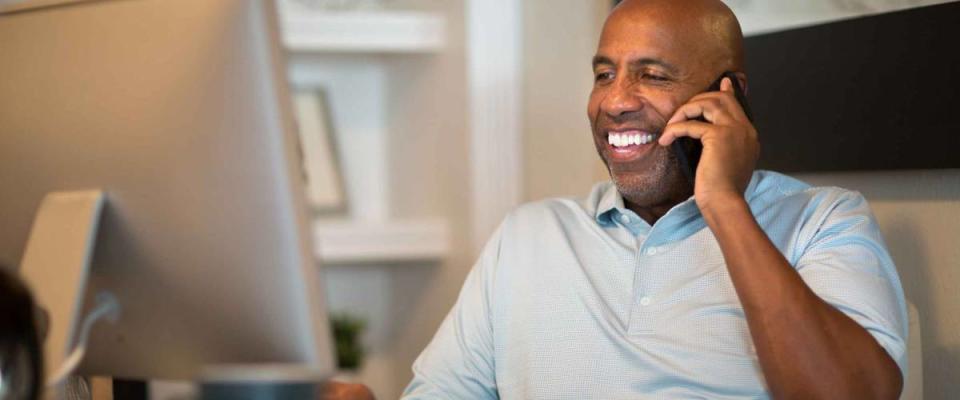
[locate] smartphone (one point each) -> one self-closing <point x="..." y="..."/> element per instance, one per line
<point x="688" y="150"/>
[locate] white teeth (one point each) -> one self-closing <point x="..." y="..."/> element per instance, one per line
<point x="624" y="140"/>
<point x="617" y="140"/>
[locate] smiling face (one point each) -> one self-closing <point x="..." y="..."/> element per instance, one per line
<point x="653" y="56"/>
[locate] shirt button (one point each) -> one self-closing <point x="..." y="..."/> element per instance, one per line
<point x="645" y="301"/>
<point x="624" y="218"/>
<point x="651" y="251"/>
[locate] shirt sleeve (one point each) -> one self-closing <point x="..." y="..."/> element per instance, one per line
<point x="847" y="264"/>
<point x="459" y="361"/>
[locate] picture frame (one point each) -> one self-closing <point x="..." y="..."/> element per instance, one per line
<point x="322" y="170"/>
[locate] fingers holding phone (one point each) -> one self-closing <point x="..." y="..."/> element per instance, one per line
<point x="720" y="121"/>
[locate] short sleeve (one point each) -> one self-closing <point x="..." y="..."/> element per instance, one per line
<point x="847" y="264"/>
<point x="459" y="361"/>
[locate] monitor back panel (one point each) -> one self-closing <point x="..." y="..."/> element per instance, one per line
<point x="178" y="110"/>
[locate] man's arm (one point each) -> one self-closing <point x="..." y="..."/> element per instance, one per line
<point x="807" y="348"/>
<point x="459" y="361"/>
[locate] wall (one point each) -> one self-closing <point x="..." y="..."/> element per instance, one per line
<point x="919" y="213"/>
<point x="429" y="177"/>
<point x="560" y="39"/>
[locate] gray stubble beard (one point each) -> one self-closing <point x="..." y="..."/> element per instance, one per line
<point x="662" y="184"/>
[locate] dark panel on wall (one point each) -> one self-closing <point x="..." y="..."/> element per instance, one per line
<point x="874" y="93"/>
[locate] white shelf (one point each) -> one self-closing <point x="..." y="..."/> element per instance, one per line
<point x="347" y="242"/>
<point x="363" y="31"/>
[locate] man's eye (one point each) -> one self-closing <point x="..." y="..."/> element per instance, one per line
<point x="654" y="77"/>
<point x="603" y="76"/>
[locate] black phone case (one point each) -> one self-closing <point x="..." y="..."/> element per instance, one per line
<point x="688" y="150"/>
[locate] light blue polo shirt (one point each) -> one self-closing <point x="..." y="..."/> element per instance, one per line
<point x="582" y="299"/>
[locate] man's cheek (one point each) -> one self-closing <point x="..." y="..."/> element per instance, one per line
<point x="665" y="110"/>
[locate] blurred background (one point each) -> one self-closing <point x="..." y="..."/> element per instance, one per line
<point x="430" y="119"/>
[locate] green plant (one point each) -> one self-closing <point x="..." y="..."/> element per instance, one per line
<point x="347" y="330"/>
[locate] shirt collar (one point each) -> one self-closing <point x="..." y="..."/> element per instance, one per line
<point x="679" y="222"/>
<point x="609" y="205"/>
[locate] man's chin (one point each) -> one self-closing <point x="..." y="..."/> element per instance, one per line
<point x="633" y="178"/>
<point x="634" y="183"/>
<point x="650" y="187"/>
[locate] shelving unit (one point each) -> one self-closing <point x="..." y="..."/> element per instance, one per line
<point x="346" y="241"/>
<point x="364" y="31"/>
<point x="341" y="52"/>
<point x="359" y="59"/>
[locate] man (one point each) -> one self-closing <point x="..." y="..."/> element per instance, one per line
<point x="755" y="286"/>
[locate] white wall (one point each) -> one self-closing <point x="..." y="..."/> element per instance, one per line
<point x="560" y="39"/>
<point x="427" y="162"/>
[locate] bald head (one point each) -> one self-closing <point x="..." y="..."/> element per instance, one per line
<point x="707" y="27"/>
<point x="653" y="56"/>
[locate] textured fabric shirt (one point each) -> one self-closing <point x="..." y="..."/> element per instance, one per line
<point x="585" y="300"/>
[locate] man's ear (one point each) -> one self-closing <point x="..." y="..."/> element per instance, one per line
<point x="742" y="80"/>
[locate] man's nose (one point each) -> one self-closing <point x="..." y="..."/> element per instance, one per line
<point x="622" y="99"/>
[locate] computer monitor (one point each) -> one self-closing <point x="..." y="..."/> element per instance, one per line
<point x="179" y="111"/>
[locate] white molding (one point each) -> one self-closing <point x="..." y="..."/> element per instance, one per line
<point x="350" y="241"/>
<point x="363" y="31"/>
<point x="494" y="75"/>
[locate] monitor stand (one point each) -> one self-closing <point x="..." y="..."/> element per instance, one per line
<point x="55" y="267"/>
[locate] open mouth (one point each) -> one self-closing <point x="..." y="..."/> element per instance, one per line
<point x="629" y="145"/>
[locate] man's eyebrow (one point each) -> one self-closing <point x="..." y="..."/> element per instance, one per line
<point x="598" y="59"/>
<point x="641" y="62"/>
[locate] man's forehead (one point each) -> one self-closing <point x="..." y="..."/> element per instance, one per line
<point x="671" y="31"/>
<point x="639" y="38"/>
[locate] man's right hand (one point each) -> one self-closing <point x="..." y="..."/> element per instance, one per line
<point x="334" y="390"/>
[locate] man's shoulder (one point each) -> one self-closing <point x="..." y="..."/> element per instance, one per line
<point x="776" y="189"/>
<point x="546" y="209"/>
<point x="563" y="209"/>
<point x="795" y="214"/>
<point x="780" y="201"/>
